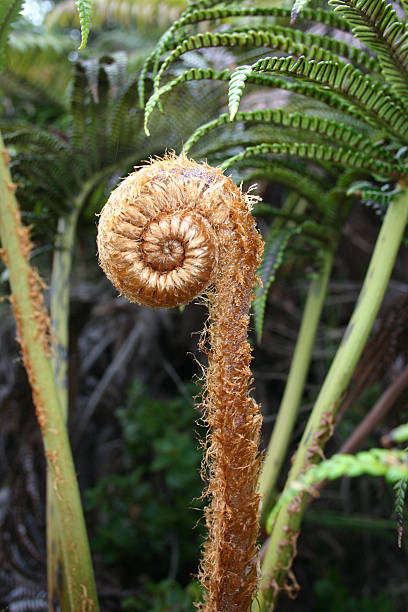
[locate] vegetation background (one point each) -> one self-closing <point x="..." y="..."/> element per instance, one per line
<point x="72" y="118"/>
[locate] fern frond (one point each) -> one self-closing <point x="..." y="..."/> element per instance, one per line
<point x="335" y="131"/>
<point x="9" y="10"/>
<point x="392" y="464"/>
<point x="321" y="153"/>
<point x="84" y="12"/>
<point x="275" y="245"/>
<point x="344" y="79"/>
<point x="376" y="24"/>
<point x="252" y="38"/>
<point x="322" y="16"/>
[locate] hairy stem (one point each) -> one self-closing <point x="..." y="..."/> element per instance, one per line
<point x="229" y="565"/>
<point x="282" y="545"/>
<point x="299" y="367"/>
<point x="34" y="336"/>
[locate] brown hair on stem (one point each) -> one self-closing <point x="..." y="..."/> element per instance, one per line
<point x="168" y="232"/>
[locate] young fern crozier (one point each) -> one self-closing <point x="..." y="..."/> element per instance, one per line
<point x="169" y="232"/>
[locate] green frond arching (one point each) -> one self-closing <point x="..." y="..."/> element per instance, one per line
<point x="376" y="24"/>
<point x="308" y="90"/>
<point x="189" y="75"/>
<point x="335" y="48"/>
<point x="9" y="10"/>
<point x="344" y="79"/>
<point x="275" y="244"/>
<point x="322" y="16"/>
<point x="84" y="11"/>
<point x="253" y="38"/>
<point x="335" y="131"/>
<point x="325" y="153"/>
<point x="391" y="464"/>
<point x="197" y="13"/>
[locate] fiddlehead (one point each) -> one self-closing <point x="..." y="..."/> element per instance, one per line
<point x="169" y="232"/>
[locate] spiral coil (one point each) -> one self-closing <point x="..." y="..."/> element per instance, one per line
<point x="158" y="233"/>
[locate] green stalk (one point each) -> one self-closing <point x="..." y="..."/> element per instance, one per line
<point x="59" y="309"/>
<point x="33" y="333"/>
<point x="282" y="543"/>
<point x="299" y="367"/>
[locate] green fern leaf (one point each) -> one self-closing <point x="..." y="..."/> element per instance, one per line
<point x="236" y="87"/>
<point x="335" y="131"/>
<point x="9" y="10"/>
<point x="275" y="245"/>
<point x="84" y="12"/>
<point x="344" y="79"/>
<point x="375" y="462"/>
<point x="376" y="24"/>
<point x="320" y="153"/>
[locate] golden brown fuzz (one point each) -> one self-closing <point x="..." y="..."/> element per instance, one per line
<point x="170" y="231"/>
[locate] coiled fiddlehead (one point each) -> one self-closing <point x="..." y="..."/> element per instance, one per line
<point x="169" y="232"/>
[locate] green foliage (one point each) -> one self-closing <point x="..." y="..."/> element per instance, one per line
<point x="275" y="245"/>
<point x="392" y="465"/>
<point x="9" y="10"/>
<point x="84" y="11"/>
<point x="375" y="23"/>
<point x="150" y="509"/>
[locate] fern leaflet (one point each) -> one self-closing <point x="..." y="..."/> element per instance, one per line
<point x="84" y="12"/>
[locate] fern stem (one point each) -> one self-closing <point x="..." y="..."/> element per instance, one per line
<point x="289" y="407"/>
<point x="282" y="544"/>
<point x="34" y="337"/>
<point x="59" y="309"/>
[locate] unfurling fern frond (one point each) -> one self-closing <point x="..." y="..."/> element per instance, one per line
<point x="392" y="464"/>
<point x="84" y="11"/>
<point x="9" y="10"/>
<point x="275" y="245"/>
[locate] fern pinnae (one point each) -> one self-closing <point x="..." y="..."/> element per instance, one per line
<point x="84" y="12"/>
<point x="346" y="81"/>
<point x="392" y="464"/>
<point x="324" y="153"/>
<point x="334" y="131"/>
<point x="376" y="24"/>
